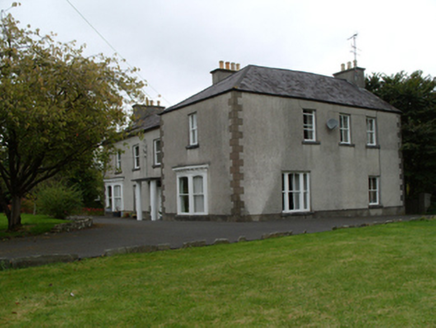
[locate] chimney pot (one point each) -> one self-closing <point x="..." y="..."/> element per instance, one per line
<point x="342" y="67"/>
<point x="238" y="66"/>
<point x="158" y="102"/>
<point x="349" y="65"/>
<point x="146" y="101"/>
<point x="233" y="66"/>
<point x="355" y="63"/>
<point x="221" y="63"/>
<point x="227" y="65"/>
<point x="151" y="102"/>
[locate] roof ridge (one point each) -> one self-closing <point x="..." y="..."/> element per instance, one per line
<point x="289" y="83"/>
<point x="244" y="71"/>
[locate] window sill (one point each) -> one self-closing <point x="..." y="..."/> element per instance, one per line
<point x="309" y="142"/>
<point x="193" y="146"/>
<point x="375" y="206"/>
<point x="156" y="165"/>
<point x="136" y="169"/>
<point x="373" y="146"/>
<point x="346" y="144"/>
<point x="118" y="172"/>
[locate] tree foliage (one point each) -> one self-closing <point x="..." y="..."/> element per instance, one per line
<point x="415" y="96"/>
<point x="56" y="108"/>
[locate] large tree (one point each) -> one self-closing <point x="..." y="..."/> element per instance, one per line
<point x="415" y="96"/>
<point x="56" y="108"/>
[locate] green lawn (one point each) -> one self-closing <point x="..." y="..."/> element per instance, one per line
<point x="378" y="276"/>
<point x="32" y="225"/>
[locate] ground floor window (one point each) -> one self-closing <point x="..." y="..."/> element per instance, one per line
<point x="114" y="197"/>
<point x="192" y="190"/>
<point x="296" y="192"/>
<point x="374" y="190"/>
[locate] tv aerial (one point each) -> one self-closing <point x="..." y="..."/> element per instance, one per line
<point x="354" y="47"/>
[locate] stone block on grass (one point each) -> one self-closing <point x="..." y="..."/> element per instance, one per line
<point x="197" y="243"/>
<point x="31" y="261"/>
<point x="276" y="234"/>
<point x="219" y="241"/>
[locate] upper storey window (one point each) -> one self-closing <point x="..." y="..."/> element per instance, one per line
<point x="193" y="133"/>
<point x="344" y="128"/>
<point x="136" y="157"/>
<point x="309" y="125"/>
<point x="370" y="131"/>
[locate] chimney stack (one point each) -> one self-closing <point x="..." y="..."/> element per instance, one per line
<point x="221" y="73"/>
<point x="355" y="75"/>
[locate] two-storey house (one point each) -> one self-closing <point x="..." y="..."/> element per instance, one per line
<point x="263" y="144"/>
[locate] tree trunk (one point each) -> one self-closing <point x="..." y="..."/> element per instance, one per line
<point x="14" y="218"/>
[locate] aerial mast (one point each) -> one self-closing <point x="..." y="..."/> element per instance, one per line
<point x="354" y="48"/>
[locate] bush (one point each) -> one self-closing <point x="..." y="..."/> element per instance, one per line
<point x="58" y="200"/>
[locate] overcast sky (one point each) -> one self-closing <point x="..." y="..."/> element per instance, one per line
<point x="176" y="43"/>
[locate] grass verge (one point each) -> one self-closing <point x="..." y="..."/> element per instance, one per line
<point x="378" y="276"/>
<point x="32" y="225"/>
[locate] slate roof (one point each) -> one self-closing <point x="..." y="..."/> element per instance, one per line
<point x="292" y="84"/>
<point x="145" y="118"/>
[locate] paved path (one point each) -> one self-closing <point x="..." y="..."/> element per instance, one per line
<point x="109" y="233"/>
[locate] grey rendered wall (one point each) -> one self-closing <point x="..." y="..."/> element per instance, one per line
<point x="128" y="173"/>
<point x="273" y="143"/>
<point x="213" y="138"/>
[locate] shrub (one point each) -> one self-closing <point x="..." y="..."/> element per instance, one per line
<point x="58" y="200"/>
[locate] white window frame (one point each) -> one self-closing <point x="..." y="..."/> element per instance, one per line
<point x="193" y="130"/>
<point x="345" y="129"/>
<point x="374" y="190"/>
<point x="190" y="173"/>
<point x="136" y="157"/>
<point x="371" y="134"/>
<point x="157" y="151"/>
<point x="309" y="125"/>
<point x="300" y="192"/>
<point x="118" y="161"/>
<point x="113" y="199"/>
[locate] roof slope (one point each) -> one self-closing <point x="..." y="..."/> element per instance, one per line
<point x="292" y="84"/>
<point x="145" y="118"/>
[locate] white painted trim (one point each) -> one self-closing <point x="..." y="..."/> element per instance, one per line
<point x="373" y="132"/>
<point x="114" y="180"/>
<point x="138" y="196"/>
<point x="345" y="130"/>
<point x="191" y="168"/>
<point x="376" y="190"/>
<point x="310" y="113"/>
<point x="153" y="200"/>
<point x="193" y="129"/>
<point x="155" y="161"/>
<point x="136" y="157"/>
<point x="190" y="172"/>
<point x="112" y="184"/>
<point x="302" y="189"/>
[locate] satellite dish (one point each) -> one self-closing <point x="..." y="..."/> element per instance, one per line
<point x="332" y="123"/>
